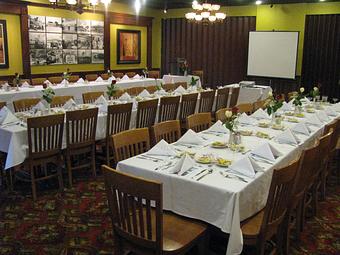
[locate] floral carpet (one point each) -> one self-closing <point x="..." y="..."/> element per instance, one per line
<point x="77" y="222"/>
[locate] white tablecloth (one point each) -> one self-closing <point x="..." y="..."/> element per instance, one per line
<point x="222" y="202"/>
<point x="252" y="94"/>
<point x="168" y="78"/>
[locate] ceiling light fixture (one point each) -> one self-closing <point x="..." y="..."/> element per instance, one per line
<point x="258" y="2"/>
<point x="137" y="6"/>
<point x="205" y="12"/>
<point x="79" y="5"/>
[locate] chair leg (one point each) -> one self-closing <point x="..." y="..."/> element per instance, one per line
<point x="34" y="188"/>
<point x="69" y="170"/>
<point x="283" y="236"/>
<point x="60" y="178"/>
<point x="93" y="161"/>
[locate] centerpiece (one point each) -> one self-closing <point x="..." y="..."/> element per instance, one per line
<point x="66" y="76"/>
<point x="159" y="86"/>
<point x="231" y="124"/>
<point x="112" y="90"/>
<point x="48" y="94"/>
<point x="146" y="72"/>
<point x="17" y="81"/>
<point x="314" y="93"/>
<point x="272" y="104"/>
<point x="297" y="100"/>
<point x="183" y="68"/>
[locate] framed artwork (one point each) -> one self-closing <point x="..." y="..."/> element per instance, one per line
<point x="4" y="63"/>
<point x="128" y="46"/>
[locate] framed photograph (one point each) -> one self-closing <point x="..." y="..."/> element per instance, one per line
<point x="97" y="42"/>
<point x="69" y="26"/>
<point x="97" y="57"/>
<point x="70" y="57"/>
<point x="4" y="63"/>
<point x="97" y="27"/>
<point x="37" y="41"/>
<point x="84" y="26"/>
<point x="54" y="57"/>
<point x="84" y="42"/>
<point x="70" y="41"/>
<point x="128" y="46"/>
<point x="53" y="25"/>
<point x="38" y="57"/>
<point x="36" y="23"/>
<point x="84" y="56"/>
<point x="54" y="41"/>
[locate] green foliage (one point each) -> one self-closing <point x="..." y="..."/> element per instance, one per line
<point x="193" y="81"/>
<point x="48" y="95"/>
<point x="112" y="90"/>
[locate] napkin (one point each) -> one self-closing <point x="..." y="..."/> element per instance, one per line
<point x="161" y="92"/>
<point x="137" y="76"/>
<point x="25" y="85"/>
<point x="125" y="78"/>
<point x="6" y="116"/>
<point x="287" y="137"/>
<point x="266" y="151"/>
<point x="306" y="100"/>
<point x="112" y="78"/>
<point x="192" y="89"/>
<point x="39" y="107"/>
<point x="144" y="94"/>
<point x="99" y="79"/>
<point x="330" y="111"/>
<point x="162" y="148"/>
<point x="5" y="85"/>
<point x="125" y="97"/>
<point x="291" y="102"/>
<point x="245" y="166"/>
<point x="245" y="119"/>
<point x="81" y="80"/>
<point x="190" y="137"/>
<point x="314" y="120"/>
<point x="102" y="103"/>
<point x="300" y="128"/>
<point x="287" y="107"/>
<point x="180" y="90"/>
<point x="322" y="116"/>
<point x="48" y="83"/>
<point x="183" y="165"/>
<point x="69" y="104"/>
<point x="218" y="127"/>
<point x="260" y="114"/>
<point x="64" y="82"/>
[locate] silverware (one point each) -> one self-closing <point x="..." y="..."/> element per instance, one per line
<point x="202" y="176"/>
<point x="163" y="166"/>
<point x="149" y="158"/>
<point x="233" y="176"/>
<point x="199" y="172"/>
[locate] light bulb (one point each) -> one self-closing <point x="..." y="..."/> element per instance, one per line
<point x="212" y="18"/>
<point x="205" y="15"/>
<point x="206" y="6"/>
<point x="220" y="15"/>
<point x="106" y="2"/>
<point x="71" y="2"/>
<point x="190" y="15"/>
<point x="258" y="2"/>
<point x="215" y="7"/>
<point x="93" y="2"/>
<point x="198" y="17"/>
<point x="137" y="6"/>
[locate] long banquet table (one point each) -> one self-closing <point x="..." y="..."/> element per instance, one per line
<point x="251" y="94"/>
<point x="219" y="201"/>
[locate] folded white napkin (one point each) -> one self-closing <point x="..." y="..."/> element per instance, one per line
<point x="301" y="128"/>
<point x="260" y="114"/>
<point x="161" y="92"/>
<point x="287" y="137"/>
<point x="291" y="102"/>
<point x="330" y="111"/>
<point x="322" y="116"/>
<point x="162" y="148"/>
<point x="306" y="100"/>
<point x="287" y="107"/>
<point x="190" y="137"/>
<point x="266" y="151"/>
<point x="137" y="76"/>
<point x="100" y="100"/>
<point x="70" y="104"/>
<point x="218" y="127"/>
<point x="183" y="165"/>
<point x="39" y="107"/>
<point x="314" y="120"/>
<point x="64" y="82"/>
<point x="192" y="89"/>
<point x="144" y="94"/>
<point x="245" y="119"/>
<point x="125" y="97"/>
<point x="245" y="166"/>
<point x="5" y="85"/>
<point x="81" y="80"/>
<point x="6" y="116"/>
<point x="112" y="78"/>
<point x="25" y="85"/>
<point x="99" y="79"/>
<point x="125" y="78"/>
<point x="48" y="83"/>
<point x="180" y="90"/>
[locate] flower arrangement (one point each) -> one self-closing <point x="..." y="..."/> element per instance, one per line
<point x="193" y="81"/>
<point x="314" y="92"/>
<point x="183" y="68"/>
<point x="298" y="97"/>
<point x="109" y="73"/>
<point x="145" y="72"/>
<point x="273" y="103"/>
<point x="17" y="79"/>
<point x="159" y="86"/>
<point x="112" y="89"/>
<point x="48" y="95"/>
<point x="231" y="116"/>
<point x="66" y="75"/>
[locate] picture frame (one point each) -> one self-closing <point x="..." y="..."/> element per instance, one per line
<point x="128" y="46"/>
<point x="4" y="61"/>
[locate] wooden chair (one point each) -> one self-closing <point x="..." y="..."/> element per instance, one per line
<point x="81" y="140"/>
<point x="259" y="104"/>
<point x="55" y="79"/>
<point x="91" y="77"/>
<point x="188" y="107"/>
<point x="222" y="98"/>
<point x="183" y="84"/>
<point x="247" y="108"/>
<point x="151" y="89"/>
<point x="59" y="101"/>
<point x="154" y="74"/>
<point x="206" y="101"/>
<point x="168" y="108"/>
<point x="3" y="82"/>
<point x="264" y="225"/>
<point x="105" y="76"/>
<point x="25" y="104"/>
<point x="220" y="114"/>
<point x="131" y="74"/>
<point x="169" y="130"/>
<point x="146" y="113"/>
<point x="234" y="96"/>
<point x="199" y="121"/>
<point x="45" y="135"/>
<point x="146" y="229"/>
<point x="118" y="75"/>
<point x="131" y="91"/>
<point x="138" y="90"/>
<point x="38" y="81"/>
<point x="169" y="87"/>
<point x="118" y="120"/>
<point x="292" y="94"/>
<point x="73" y="78"/>
<point x="2" y="104"/>
<point x="90" y="97"/>
<point x="199" y="73"/>
<point x="130" y="143"/>
<point x="119" y="92"/>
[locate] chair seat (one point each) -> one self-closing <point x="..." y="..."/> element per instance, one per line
<point x="251" y="227"/>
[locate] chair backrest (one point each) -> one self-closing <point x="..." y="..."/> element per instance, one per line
<point x="81" y="128"/>
<point x="3" y="82"/>
<point x="25" y="104"/>
<point x="130" y="199"/>
<point x="169" y="86"/>
<point x="154" y="74"/>
<point x="118" y="75"/>
<point x="325" y="144"/>
<point x="199" y="73"/>
<point x="130" y="143"/>
<point x="206" y="101"/>
<point x="188" y="106"/>
<point x="151" y="89"/>
<point x="2" y="104"/>
<point x="199" y="121"/>
<point x="222" y="98"/>
<point x="25" y="80"/>
<point x="146" y="113"/>
<point x="105" y="76"/>
<point x="38" y="81"/>
<point x="169" y="130"/>
<point x="280" y="193"/>
<point x="91" y="77"/>
<point x="259" y="104"/>
<point x="183" y="84"/>
<point x="247" y="108"/>
<point x="59" y="101"/>
<point x="138" y="90"/>
<point x="73" y="78"/>
<point x="168" y="108"/>
<point x="118" y="118"/>
<point x="220" y="114"/>
<point x="234" y="96"/>
<point x="55" y="79"/>
<point x="45" y="135"/>
<point x="90" y="97"/>
<point x="328" y="128"/>
<point x="131" y="74"/>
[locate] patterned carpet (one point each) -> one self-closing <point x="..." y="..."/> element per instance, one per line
<point x="77" y="222"/>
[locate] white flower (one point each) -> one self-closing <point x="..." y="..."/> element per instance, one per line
<point x="270" y="94"/>
<point x="65" y="73"/>
<point x="228" y="114"/>
<point x="315" y="89"/>
<point x="302" y="89"/>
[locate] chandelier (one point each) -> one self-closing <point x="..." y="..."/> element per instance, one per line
<point x="206" y="12"/>
<point x="78" y="5"/>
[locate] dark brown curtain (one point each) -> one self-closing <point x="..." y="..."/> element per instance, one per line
<point x="219" y="49"/>
<point x="321" y="54"/>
